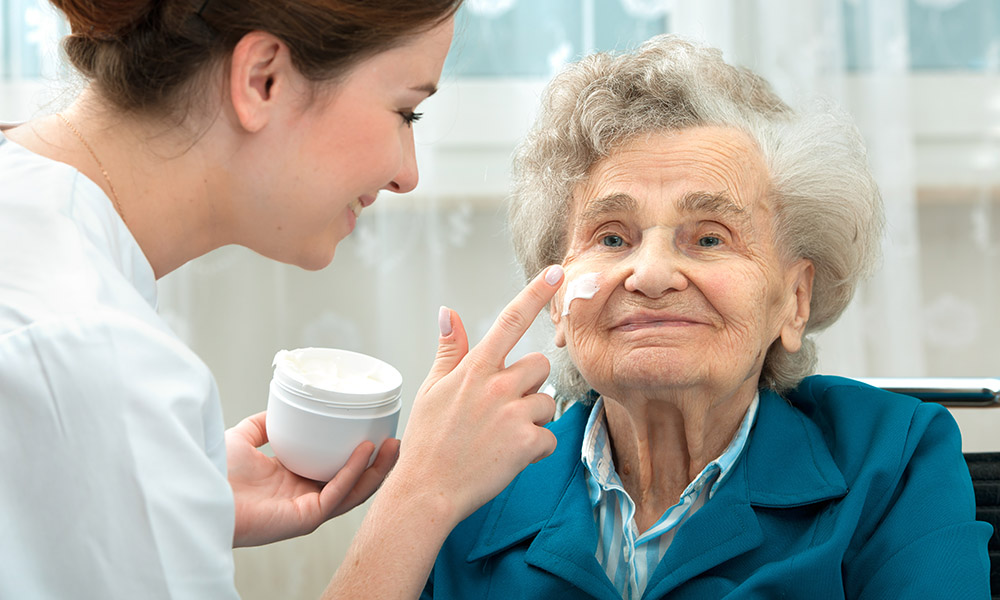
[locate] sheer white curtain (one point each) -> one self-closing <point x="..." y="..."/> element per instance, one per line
<point x="931" y="133"/>
<point x="33" y="77"/>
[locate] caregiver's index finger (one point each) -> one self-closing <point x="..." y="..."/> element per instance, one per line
<point x="518" y="315"/>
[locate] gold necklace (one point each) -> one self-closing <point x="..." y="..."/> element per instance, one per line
<point x="111" y="186"/>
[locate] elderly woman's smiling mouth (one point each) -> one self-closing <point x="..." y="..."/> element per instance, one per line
<point x="653" y="319"/>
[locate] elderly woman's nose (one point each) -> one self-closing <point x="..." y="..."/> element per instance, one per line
<point x="654" y="268"/>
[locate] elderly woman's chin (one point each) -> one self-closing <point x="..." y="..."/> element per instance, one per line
<point x="653" y="373"/>
<point x="660" y="366"/>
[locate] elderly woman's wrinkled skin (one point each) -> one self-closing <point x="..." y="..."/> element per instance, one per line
<point x="693" y="291"/>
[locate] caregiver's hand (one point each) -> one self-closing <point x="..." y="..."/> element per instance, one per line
<point x="477" y="423"/>
<point x="272" y="503"/>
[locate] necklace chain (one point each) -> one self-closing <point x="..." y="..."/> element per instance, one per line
<point x="111" y="186"/>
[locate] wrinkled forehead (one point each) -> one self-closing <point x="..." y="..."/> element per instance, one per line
<point x="702" y="169"/>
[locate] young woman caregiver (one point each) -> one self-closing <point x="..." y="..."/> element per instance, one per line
<point x="205" y="123"/>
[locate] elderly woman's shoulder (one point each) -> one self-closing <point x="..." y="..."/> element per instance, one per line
<point x="858" y="419"/>
<point x="832" y="393"/>
<point x="823" y="389"/>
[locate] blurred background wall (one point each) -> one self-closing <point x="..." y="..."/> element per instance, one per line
<point x="922" y="78"/>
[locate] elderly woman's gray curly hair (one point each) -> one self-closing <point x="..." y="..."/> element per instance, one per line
<point x="827" y="205"/>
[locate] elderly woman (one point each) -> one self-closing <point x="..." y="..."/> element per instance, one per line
<point x="706" y="230"/>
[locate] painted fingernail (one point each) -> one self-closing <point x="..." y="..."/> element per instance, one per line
<point x="553" y="275"/>
<point x="444" y="321"/>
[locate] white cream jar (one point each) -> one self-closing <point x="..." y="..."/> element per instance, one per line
<point x="323" y="402"/>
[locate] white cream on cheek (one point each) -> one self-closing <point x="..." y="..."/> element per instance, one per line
<point x="583" y="287"/>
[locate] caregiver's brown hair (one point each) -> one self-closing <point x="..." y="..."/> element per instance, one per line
<point x="145" y="56"/>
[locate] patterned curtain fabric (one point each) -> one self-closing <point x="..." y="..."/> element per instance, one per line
<point x="920" y="76"/>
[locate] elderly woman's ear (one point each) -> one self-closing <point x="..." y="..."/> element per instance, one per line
<point x="800" y="277"/>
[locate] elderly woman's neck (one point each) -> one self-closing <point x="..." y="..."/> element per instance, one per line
<point x="662" y="444"/>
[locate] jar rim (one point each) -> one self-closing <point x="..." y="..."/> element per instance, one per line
<point x="306" y="390"/>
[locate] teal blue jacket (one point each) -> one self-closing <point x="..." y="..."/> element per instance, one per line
<point x="844" y="491"/>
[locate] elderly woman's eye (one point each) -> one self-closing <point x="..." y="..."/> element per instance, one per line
<point x="613" y="241"/>
<point x="709" y="241"/>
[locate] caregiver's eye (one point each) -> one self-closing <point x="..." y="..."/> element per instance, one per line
<point x="709" y="241"/>
<point x="612" y="241"/>
<point x="410" y="117"/>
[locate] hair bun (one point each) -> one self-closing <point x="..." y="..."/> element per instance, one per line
<point x="102" y="19"/>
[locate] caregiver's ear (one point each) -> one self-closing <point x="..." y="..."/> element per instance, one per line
<point x="261" y="75"/>
<point x="801" y="282"/>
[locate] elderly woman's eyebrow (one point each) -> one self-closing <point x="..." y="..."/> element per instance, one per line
<point x="714" y="203"/>
<point x="605" y="205"/>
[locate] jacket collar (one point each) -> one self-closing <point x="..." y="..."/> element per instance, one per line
<point x="786" y="464"/>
